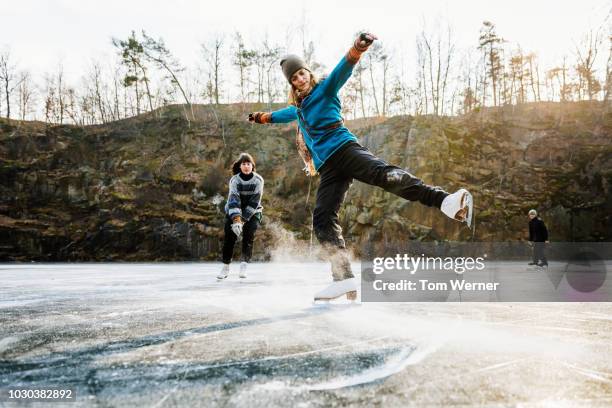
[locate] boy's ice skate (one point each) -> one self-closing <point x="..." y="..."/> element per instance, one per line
<point x="243" y="270"/>
<point x="337" y="289"/>
<point x="459" y="206"/>
<point x="223" y="272"/>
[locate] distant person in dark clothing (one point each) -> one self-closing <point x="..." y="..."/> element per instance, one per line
<point x="538" y="234"/>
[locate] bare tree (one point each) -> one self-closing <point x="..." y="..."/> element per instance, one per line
<point x="193" y="84"/>
<point x="385" y="62"/>
<point x="261" y="65"/>
<point x="517" y="76"/>
<point x="308" y="48"/>
<point x="586" y="54"/>
<point x="489" y="43"/>
<point x="551" y="88"/>
<point x="505" y="93"/>
<point x="265" y="59"/>
<point x="212" y="56"/>
<point x="116" y="94"/>
<point x="158" y="53"/>
<point x="50" y="108"/>
<point x="533" y="75"/>
<point x="71" y="107"/>
<point x="421" y="77"/>
<point x="400" y="95"/>
<point x="357" y="87"/>
<point x="94" y="94"/>
<point x="558" y="74"/>
<point x="468" y="82"/>
<point x="349" y="100"/>
<point x="59" y="82"/>
<point x="25" y="94"/>
<point x="433" y="85"/>
<point x="401" y="98"/>
<point x="57" y="97"/>
<point x="86" y="106"/>
<point x="271" y="56"/>
<point x="376" y="55"/>
<point x="243" y="61"/>
<point x="8" y="79"/>
<point x="449" y="50"/>
<point x="435" y="56"/>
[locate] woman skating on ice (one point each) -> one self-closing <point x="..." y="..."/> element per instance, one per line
<point x="242" y="212"/>
<point x="330" y="149"/>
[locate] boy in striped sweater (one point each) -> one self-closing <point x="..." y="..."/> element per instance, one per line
<point x="242" y="212"/>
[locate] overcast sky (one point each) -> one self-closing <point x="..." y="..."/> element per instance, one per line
<point x="40" y="33"/>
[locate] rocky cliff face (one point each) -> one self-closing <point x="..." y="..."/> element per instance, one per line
<point x="556" y="159"/>
<point x="153" y="187"/>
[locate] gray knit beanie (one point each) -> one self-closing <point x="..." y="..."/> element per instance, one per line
<point x="291" y="64"/>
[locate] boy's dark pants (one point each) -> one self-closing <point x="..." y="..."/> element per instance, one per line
<point x="248" y="236"/>
<point x="353" y="161"/>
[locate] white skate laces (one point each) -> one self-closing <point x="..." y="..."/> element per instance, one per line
<point x="459" y="206"/>
<point x="243" y="270"/>
<point x="346" y="287"/>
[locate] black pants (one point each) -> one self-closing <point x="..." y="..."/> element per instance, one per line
<point x="538" y="252"/>
<point x="353" y="161"/>
<point x="248" y="236"/>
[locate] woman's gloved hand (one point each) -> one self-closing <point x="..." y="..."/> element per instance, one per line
<point x="237" y="225"/>
<point x="260" y="117"/>
<point x="364" y="40"/>
<point x="237" y="228"/>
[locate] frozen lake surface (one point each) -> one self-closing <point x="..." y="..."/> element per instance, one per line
<point x="169" y="334"/>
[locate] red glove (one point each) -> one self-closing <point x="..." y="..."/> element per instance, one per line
<point x="260" y="117"/>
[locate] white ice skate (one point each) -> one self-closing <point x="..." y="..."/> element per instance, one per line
<point x="346" y="287"/>
<point x="459" y="206"/>
<point x="243" y="270"/>
<point x="223" y="272"/>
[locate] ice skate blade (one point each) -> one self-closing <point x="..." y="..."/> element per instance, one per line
<point x="464" y="214"/>
<point x="352" y="296"/>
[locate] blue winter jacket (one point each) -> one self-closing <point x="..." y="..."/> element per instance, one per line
<point x="321" y="109"/>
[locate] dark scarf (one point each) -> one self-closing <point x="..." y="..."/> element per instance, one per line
<point x="245" y="177"/>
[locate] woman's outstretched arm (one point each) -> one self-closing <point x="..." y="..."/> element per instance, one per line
<point x="342" y="72"/>
<point x="285" y="115"/>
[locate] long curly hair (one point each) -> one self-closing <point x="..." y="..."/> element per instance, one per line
<point x="244" y="157"/>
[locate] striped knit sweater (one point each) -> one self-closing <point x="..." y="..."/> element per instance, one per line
<point x="244" y="198"/>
